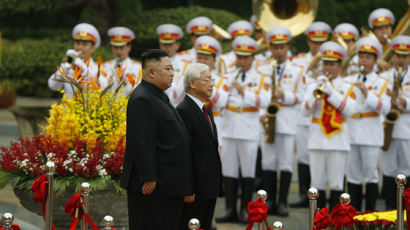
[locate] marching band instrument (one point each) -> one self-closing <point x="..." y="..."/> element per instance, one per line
<point x="296" y="15"/>
<point x="314" y="63"/>
<point x="69" y="59"/>
<point x="220" y="34"/>
<point x="318" y="92"/>
<point x="394" y="114"/>
<point x="338" y="39"/>
<point x="360" y="75"/>
<point x="271" y="111"/>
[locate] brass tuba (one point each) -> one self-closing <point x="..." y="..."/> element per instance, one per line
<point x="271" y="111"/>
<point x="394" y="114"/>
<point x="296" y="15"/>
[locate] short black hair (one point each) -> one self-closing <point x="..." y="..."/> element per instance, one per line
<point x="152" y="54"/>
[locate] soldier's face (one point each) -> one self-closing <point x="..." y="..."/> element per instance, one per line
<point x="86" y="47"/>
<point x="206" y="59"/>
<point x="193" y="37"/>
<point x="349" y="42"/>
<point x="161" y="73"/>
<point x="381" y="31"/>
<point x="314" y="46"/>
<point x="400" y="60"/>
<point x="244" y="62"/>
<point x="332" y="67"/>
<point x="368" y="61"/>
<point x="279" y="52"/>
<point x="258" y="34"/>
<point x="170" y="48"/>
<point x="203" y="86"/>
<point x="121" y="51"/>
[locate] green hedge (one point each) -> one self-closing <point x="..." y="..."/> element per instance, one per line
<point x="29" y="63"/>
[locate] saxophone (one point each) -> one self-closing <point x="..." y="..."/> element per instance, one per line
<point x="271" y="111"/>
<point x="394" y="113"/>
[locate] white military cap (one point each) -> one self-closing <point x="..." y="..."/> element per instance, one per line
<point x="199" y="26"/>
<point x="240" y="28"/>
<point x="318" y="31"/>
<point x="244" y="45"/>
<point x="369" y="45"/>
<point x="347" y="31"/>
<point x="255" y="23"/>
<point x="381" y="17"/>
<point x="120" y="36"/>
<point x="207" y="45"/>
<point x="331" y="51"/>
<point x="401" y="44"/>
<point x="169" y="33"/>
<point x="87" y="32"/>
<point x="278" y="35"/>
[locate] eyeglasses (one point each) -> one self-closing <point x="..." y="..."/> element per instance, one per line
<point x="209" y="81"/>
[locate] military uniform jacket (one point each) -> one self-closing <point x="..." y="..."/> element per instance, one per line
<point x="229" y="60"/>
<point x="176" y="92"/>
<point x="289" y="79"/>
<point x="365" y="126"/>
<point x="219" y="96"/>
<point x="132" y="74"/>
<point x="241" y="124"/>
<point x="401" y="128"/>
<point x="90" y="71"/>
<point x="340" y="100"/>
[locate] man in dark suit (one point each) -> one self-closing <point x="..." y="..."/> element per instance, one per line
<point x="157" y="170"/>
<point x="200" y="124"/>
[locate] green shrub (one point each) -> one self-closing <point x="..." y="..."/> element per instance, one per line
<point x="31" y="62"/>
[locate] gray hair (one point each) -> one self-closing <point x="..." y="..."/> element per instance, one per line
<point x="193" y="72"/>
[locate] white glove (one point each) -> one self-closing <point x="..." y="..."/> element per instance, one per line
<point x="78" y="62"/>
<point x="71" y="53"/>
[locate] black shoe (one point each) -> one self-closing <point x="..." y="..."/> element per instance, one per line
<point x="231" y="195"/>
<point x="304" y="184"/>
<point x="247" y="189"/>
<point x="285" y="178"/>
<point x="372" y="191"/>
<point x="355" y="192"/>
<point x="269" y="179"/>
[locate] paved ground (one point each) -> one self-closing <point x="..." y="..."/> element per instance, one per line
<point x="297" y="220"/>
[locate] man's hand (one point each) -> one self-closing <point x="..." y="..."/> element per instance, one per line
<point x="400" y="102"/>
<point x="236" y="85"/>
<point x="279" y="93"/>
<point x="362" y="87"/>
<point x="148" y="187"/>
<point x="189" y="199"/>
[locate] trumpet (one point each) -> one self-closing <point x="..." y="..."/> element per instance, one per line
<point x="68" y="59"/>
<point x="360" y="76"/>
<point x="318" y="92"/>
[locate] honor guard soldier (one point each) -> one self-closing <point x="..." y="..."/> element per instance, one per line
<point x="238" y="28"/>
<point x="86" y="40"/>
<point x="195" y="28"/>
<point x="317" y="33"/>
<point x="258" y="31"/>
<point x="349" y="33"/>
<point x="169" y="36"/>
<point x="120" y="41"/>
<point x="397" y="159"/>
<point x="329" y="101"/>
<point x="381" y="21"/>
<point x="278" y="156"/>
<point x="207" y="50"/>
<point x="248" y="93"/>
<point x="365" y="126"/>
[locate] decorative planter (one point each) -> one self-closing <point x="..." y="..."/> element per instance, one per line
<point x="102" y="203"/>
<point x="7" y="100"/>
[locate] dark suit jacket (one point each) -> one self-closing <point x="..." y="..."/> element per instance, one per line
<point x="158" y="145"/>
<point x="207" y="163"/>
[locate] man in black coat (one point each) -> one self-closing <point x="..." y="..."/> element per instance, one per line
<point x="200" y="124"/>
<point x="157" y="170"/>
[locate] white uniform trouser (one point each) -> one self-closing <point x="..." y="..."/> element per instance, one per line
<point x="327" y="166"/>
<point x="397" y="158"/>
<point x="239" y="153"/>
<point x="362" y="162"/>
<point x="279" y="155"/>
<point x="302" y="150"/>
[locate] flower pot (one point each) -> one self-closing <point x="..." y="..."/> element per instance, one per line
<point x="7" y="100"/>
<point x="102" y="203"/>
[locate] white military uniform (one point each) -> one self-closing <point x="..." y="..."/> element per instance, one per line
<point x="132" y="74"/>
<point x="89" y="70"/>
<point x="240" y="125"/>
<point x="396" y="159"/>
<point x="279" y="155"/>
<point x="176" y="92"/>
<point x="366" y="129"/>
<point x="218" y="101"/>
